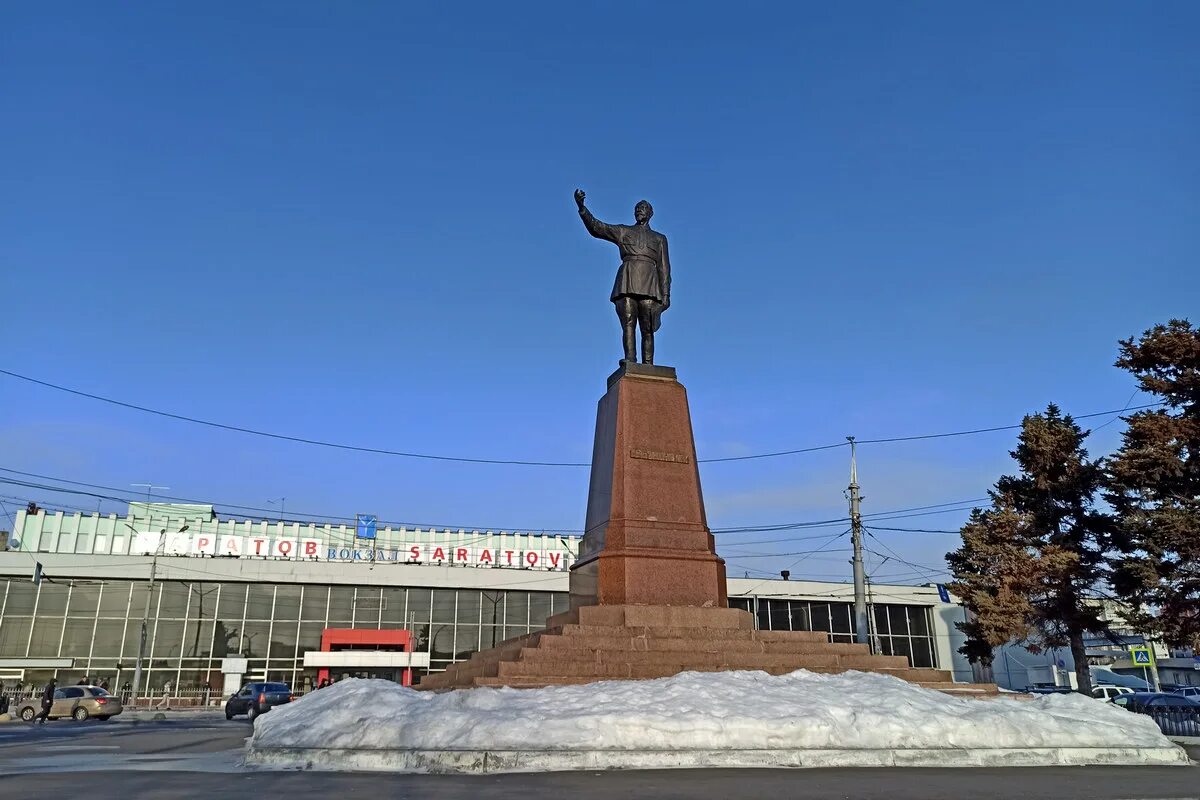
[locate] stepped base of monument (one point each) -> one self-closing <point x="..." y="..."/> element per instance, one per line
<point x="596" y="643"/>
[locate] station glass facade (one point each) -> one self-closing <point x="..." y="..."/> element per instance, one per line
<point x="193" y="625"/>
<point x="898" y="630"/>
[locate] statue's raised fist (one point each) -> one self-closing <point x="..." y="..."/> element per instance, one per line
<point x="579" y="197"/>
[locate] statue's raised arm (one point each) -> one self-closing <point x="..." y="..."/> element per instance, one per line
<point x="601" y="230"/>
<point x="643" y="287"/>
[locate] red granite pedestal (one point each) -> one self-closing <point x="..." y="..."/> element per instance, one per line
<point x="646" y="538"/>
<point x="648" y="597"/>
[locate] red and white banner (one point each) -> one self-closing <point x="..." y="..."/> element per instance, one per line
<point x="549" y="557"/>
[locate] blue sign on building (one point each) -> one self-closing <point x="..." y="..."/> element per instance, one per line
<point x="365" y="525"/>
<point x="943" y="593"/>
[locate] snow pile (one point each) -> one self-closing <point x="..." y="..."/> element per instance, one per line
<point x="696" y="711"/>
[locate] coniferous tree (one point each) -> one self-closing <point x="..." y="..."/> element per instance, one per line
<point x="1030" y="565"/>
<point x="1154" y="487"/>
<point x="996" y="577"/>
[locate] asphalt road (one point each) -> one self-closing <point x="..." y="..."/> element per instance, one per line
<point x="188" y="757"/>
<point x="204" y="742"/>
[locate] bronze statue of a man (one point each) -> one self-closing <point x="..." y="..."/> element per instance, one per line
<point x="643" y="287"/>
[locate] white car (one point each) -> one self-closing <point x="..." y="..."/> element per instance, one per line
<point x="1189" y="691"/>
<point x="1107" y="693"/>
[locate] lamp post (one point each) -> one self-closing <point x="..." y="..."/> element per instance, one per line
<point x="137" y="669"/>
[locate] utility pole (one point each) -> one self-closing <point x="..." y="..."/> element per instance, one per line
<point x="141" y="654"/>
<point x="862" y="633"/>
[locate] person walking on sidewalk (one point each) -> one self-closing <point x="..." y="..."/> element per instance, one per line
<point x="47" y="702"/>
<point x="166" y="697"/>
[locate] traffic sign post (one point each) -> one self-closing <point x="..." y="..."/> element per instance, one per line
<point x="1143" y="656"/>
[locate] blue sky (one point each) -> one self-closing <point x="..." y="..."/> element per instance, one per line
<point x="354" y="222"/>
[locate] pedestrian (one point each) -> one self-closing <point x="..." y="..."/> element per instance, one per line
<point x="47" y="702"/>
<point x="166" y="698"/>
<point x="104" y="684"/>
<point x="83" y="681"/>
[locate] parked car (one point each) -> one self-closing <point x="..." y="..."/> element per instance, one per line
<point x="257" y="698"/>
<point x="1189" y="691"/>
<point x="1109" y="692"/>
<point x="1176" y="715"/>
<point x="76" y="702"/>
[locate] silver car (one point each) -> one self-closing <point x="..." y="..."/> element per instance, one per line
<point x="76" y="702"/>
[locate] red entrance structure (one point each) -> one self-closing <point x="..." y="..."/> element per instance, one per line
<point x="370" y="640"/>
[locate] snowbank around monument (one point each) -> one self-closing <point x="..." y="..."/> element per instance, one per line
<point x="699" y="712"/>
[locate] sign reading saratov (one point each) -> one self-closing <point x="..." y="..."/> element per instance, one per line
<point x="553" y="557"/>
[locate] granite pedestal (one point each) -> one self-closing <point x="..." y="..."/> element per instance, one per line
<point x="646" y="539"/>
<point x="648" y="597"/>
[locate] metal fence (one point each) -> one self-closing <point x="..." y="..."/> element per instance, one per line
<point x="1176" y="721"/>
<point x="186" y="697"/>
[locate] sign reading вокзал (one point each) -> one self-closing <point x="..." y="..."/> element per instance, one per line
<point x="552" y="556"/>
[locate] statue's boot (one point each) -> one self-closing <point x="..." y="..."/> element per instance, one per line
<point x="629" y="340"/>
<point x="647" y="348"/>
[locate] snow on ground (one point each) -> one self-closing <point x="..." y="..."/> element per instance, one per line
<point x="695" y="711"/>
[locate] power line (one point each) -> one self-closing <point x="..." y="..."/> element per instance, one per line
<point x="913" y="530"/>
<point x="120" y="495"/>
<point x="919" y="511"/>
<point x="775" y="555"/>
<point x="809" y="554"/>
<point x="787" y="539"/>
<point x="316" y="519"/>
<point x="772" y="455"/>
<point x="285" y="437"/>
<point x="1114" y="419"/>
<point x="513" y="462"/>
<point x="1000" y="427"/>
<point x="930" y="571"/>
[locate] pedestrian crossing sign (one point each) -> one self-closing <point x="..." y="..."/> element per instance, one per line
<point x="1142" y="656"/>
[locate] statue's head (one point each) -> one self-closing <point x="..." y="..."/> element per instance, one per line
<point x="643" y="211"/>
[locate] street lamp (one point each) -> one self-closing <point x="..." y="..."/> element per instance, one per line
<point x="137" y="669"/>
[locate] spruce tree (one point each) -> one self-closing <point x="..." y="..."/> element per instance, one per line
<point x="1154" y="487"/>
<point x="1030" y="565"/>
<point x="996" y="576"/>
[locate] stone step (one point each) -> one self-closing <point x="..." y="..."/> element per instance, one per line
<point x="791" y="636"/>
<point x="537" y="668"/>
<point x="735" y="654"/>
<point x="655" y="616"/>
<point x="638" y="643"/>
<point x="966" y="689"/>
<point x="509" y="647"/>
<point x="655" y="665"/>
<point x="466" y="670"/>
<point x="695" y="634"/>
<point x="730" y="660"/>
<point x="809" y="646"/>
<point x="535" y="681"/>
